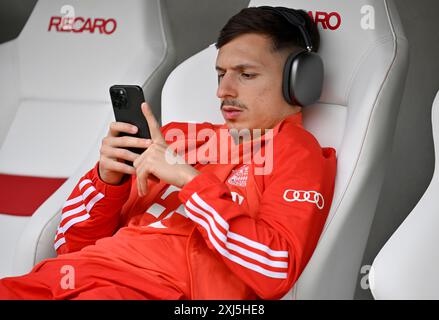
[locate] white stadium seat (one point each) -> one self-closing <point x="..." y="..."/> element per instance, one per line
<point x="406" y="267"/>
<point x="365" y="53"/>
<point x="55" y="107"/>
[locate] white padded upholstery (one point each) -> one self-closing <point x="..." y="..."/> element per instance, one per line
<point x="60" y="132"/>
<point x="365" y="72"/>
<point x="83" y="65"/>
<point x="55" y="107"/>
<point x="406" y="267"/>
<point x="35" y="243"/>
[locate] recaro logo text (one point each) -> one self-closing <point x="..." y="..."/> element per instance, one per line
<point x="81" y="24"/>
<point x="328" y="20"/>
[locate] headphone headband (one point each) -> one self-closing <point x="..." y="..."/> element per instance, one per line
<point x="295" y="19"/>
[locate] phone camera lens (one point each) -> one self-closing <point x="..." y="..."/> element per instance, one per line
<point x="118" y="97"/>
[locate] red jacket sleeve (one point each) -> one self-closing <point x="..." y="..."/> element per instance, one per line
<point x="93" y="209"/>
<point x="268" y="252"/>
<point x="91" y="212"/>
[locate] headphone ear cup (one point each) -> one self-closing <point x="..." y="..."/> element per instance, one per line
<point x="286" y="83"/>
<point x="305" y="78"/>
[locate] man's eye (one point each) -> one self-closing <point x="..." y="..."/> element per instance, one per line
<point x="247" y="75"/>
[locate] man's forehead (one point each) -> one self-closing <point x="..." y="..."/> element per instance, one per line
<point x="249" y="50"/>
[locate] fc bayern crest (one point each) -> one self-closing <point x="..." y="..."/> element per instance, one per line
<point x="239" y="176"/>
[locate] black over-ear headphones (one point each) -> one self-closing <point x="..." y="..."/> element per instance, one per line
<point x="303" y="70"/>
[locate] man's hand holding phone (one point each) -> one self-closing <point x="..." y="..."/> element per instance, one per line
<point x="136" y="146"/>
<point x="127" y="137"/>
<point x="154" y="161"/>
<point x="114" y="152"/>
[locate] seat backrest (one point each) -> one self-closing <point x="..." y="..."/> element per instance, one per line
<point x="365" y="53"/>
<point x="56" y="106"/>
<point x="406" y="267"/>
<point x="67" y="57"/>
<point x="106" y="41"/>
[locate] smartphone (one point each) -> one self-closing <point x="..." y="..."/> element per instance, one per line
<point x="126" y="100"/>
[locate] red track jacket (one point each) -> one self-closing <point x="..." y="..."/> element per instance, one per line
<point x="248" y="235"/>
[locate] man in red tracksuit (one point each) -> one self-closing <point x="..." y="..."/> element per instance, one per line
<point x="182" y="223"/>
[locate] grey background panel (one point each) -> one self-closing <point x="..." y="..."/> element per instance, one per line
<point x="13" y="16"/>
<point x="196" y="23"/>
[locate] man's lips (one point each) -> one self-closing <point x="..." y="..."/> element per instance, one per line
<point x="231" y="109"/>
<point x="231" y="113"/>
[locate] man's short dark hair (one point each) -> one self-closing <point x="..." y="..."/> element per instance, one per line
<point x="269" y="23"/>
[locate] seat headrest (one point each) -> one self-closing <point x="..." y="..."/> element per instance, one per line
<point x="351" y="32"/>
<point x="77" y="51"/>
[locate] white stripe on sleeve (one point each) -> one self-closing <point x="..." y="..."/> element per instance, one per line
<point x="60" y="242"/>
<point x="93" y="201"/>
<point x="73" y="201"/>
<point x="83" y="183"/>
<point x="74" y="221"/>
<point x="232" y="257"/>
<point x="72" y="212"/>
<point x="235" y="236"/>
<point x="241" y="250"/>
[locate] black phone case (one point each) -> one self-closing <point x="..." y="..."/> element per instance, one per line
<point x="130" y="111"/>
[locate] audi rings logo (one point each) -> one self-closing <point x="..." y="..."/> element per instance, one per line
<point x="291" y="195"/>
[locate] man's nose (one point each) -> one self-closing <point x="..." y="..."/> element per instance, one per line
<point x="226" y="87"/>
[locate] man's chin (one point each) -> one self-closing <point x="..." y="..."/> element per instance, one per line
<point x="235" y="125"/>
<point x="243" y="131"/>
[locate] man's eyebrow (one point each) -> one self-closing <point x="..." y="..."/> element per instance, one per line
<point x="243" y="66"/>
